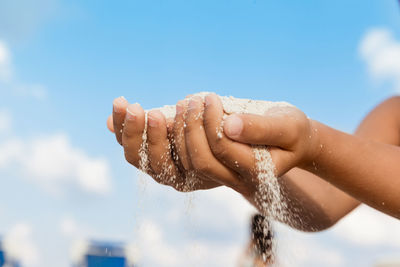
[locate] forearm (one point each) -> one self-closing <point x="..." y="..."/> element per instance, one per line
<point x="315" y="204"/>
<point x="365" y="169"/>
<point x="323" y="204"/>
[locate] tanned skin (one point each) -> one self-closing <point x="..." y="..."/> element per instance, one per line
<point x="325" y="173"/>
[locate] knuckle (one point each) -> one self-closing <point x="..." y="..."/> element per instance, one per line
<point x="152" y="140"/>
<point x="127" y="134"/>
<point x="299" y="128"/>
<point x="219" y="151"/>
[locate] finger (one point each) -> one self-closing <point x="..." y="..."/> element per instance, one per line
<point x="276" y="131"/>
<point x="178" y="131"/>
<point x="171" y="139"/>
<point x="170" y="125"/>
<point x="276" y="128"/>
<point x="110" y="125"/>
<point x="235" y="155"/>
<point x="199" y="151"/>
<point x="132" y="134"/>
<point x="159" y="151"/>
<point x="119" y="110"/>
<point x="193" y="181"/>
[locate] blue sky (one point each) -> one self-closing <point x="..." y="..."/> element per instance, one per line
<point x="69" y="59"/>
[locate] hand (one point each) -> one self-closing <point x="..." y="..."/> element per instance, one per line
<point x="203" y="148"/>
<point x="292" y="138"/>
<point x="209" y="151"/>
<point x="128" y="124"/>
<point x="192" y="146"/>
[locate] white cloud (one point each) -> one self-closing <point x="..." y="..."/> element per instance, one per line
<point x="78" y="249"/>
<point x="156" y="246"/>
<point x="9" y="81"/>
<point x="132" y="253"/>
<point x="156" y="250"/>
<point x="69" y="227"/>
<point x="151" y="240"/>
<point x="236" y="209"/>
<point x="296" y="248"/>
<point x="368" y="227"/>
<point x="77" y="236"/>
<point x="19" y="244"/>
<point x="52" y="161"/>
<point x="54" y="158"/>
<point x="10" y="151"/>
<point x="156" y="242"/>
<point x="222" y="210"/>
<point x="5" y="63"/>
<point x="381" y="52"/>
<point x="163" y="241"/>
<point x="222" y="217"/>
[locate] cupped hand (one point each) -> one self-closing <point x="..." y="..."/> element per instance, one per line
<point x="192" y="126"/>
<point x="225" y="154"/>
<point x="128" y="124"/>
<point x="291" y="136"/>
<point x="203" y="147"/>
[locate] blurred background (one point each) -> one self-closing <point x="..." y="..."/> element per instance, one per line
<point x="66" y="190"/>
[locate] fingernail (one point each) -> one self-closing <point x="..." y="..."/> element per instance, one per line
<point x="152" y="121"/>
<point x="132" y="111"/>
<point x="208" y="100"/>
<point x="179" y="108"/>
<point x="118" y="101"/>
<point x="233" y="126"/>
<point x="193" y="104"/>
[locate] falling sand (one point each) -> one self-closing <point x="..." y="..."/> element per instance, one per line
<point x="268" y="197"/>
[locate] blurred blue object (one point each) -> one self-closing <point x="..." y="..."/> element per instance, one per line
<point x="6" y="262"/>
<point x="2" y="260"/>
<point x="104" y="254"/>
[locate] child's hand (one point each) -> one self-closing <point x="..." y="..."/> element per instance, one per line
<point x="365" y="169"/>
<point x="192" y="132"/>
<point x="291" y="136"/>
<point x="128" y="123"/>
<point x="287" y="131"/>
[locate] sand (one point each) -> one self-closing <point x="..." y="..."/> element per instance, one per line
<point x="268" y="197"/>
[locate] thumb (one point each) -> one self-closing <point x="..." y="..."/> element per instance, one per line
<point x="260" y="130"/>
<point x="276" y="132"/>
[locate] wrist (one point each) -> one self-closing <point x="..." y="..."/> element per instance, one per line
<point x="315" y="146"/>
